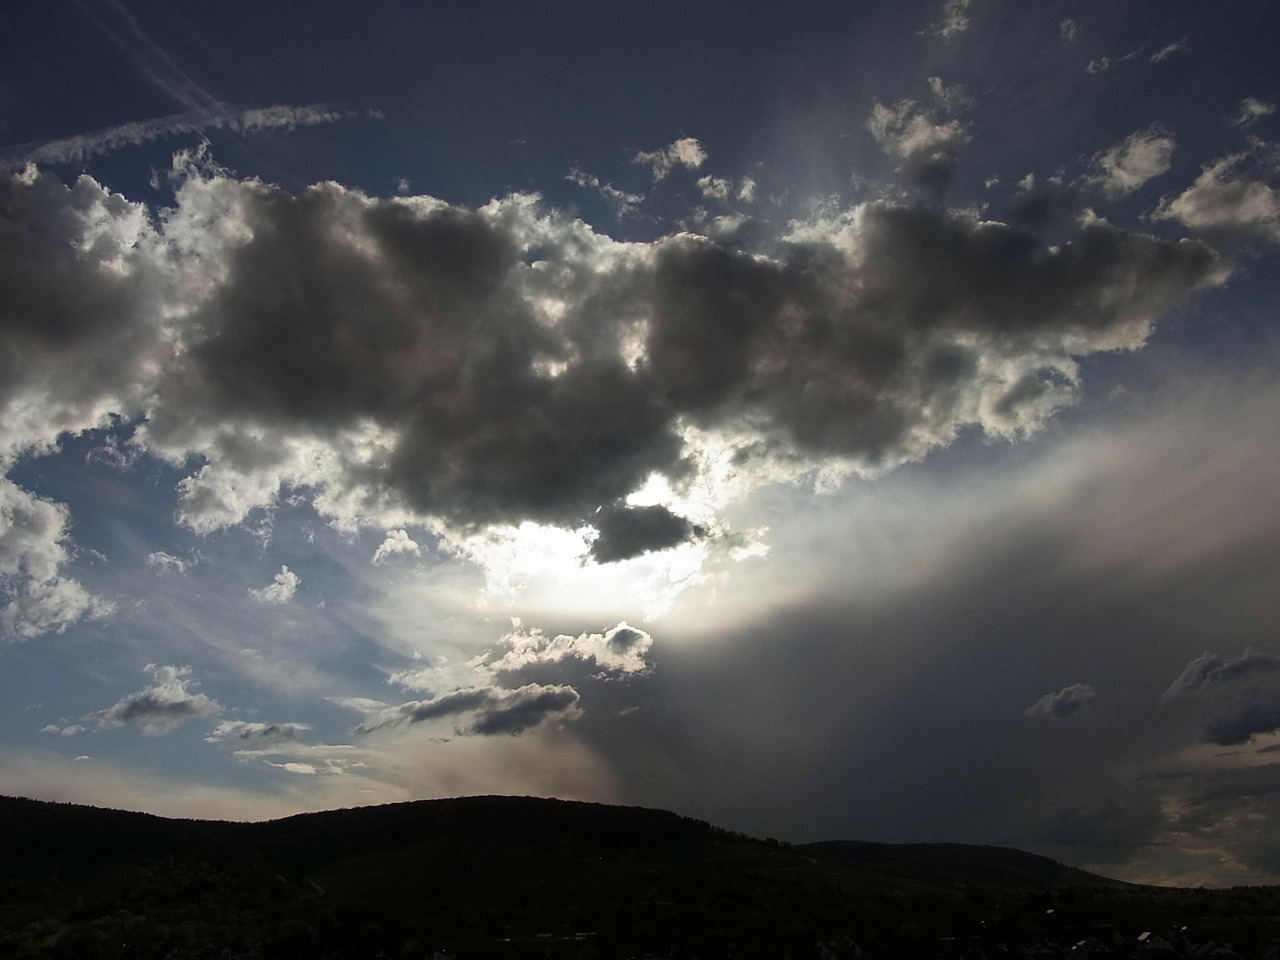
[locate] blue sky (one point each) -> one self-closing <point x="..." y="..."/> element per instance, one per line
<point x="855" y="420"/>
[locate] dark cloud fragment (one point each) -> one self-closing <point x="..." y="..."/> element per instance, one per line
<point x="252" y="735"/>
<point x="1045" y="201"/>
<point x="1209" y="671"/>
<point x="161" y="707"/>
<point x="1067" y="702"/>
<point x="486" y="711"/>
<point x="626" y="532"/>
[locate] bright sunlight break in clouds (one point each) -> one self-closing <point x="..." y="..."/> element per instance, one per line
<point x="834" y="421"/>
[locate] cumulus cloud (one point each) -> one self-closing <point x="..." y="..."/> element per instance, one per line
<point x="513" y="687"/>
<point x="81" y="286"/>
<point x="280" y="590"/>
<point x="1067" y="702"/>
<point x="397" y="544"/>
<point x="164" y="705"/>
<point x="36" y="597"/>
<point x="1232" y="196"/>
<point x="928" y="144"/>
<point x="484" y="711"/>
<point x="1140" y="157"/>
<point x="620" y="649"/>
<point x="474" y="368"/>
<point x="685" y="152"/>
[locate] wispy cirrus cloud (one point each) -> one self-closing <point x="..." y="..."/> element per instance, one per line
<point x="242" y="120"/>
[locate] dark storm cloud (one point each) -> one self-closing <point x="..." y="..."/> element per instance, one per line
<point x="1245" y="690"/>
<point x="850" y="692"/>
<point x="503" y="364"/>
<point x="627" y="532"/>
<point x="1255" y="711"/>
<point x="1067" y="702"/>
<point x="486" y="711"/>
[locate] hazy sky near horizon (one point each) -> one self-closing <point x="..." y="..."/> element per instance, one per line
<point x="832" y="420"/>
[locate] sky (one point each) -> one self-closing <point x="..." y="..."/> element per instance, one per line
<point x="831" y="420"/>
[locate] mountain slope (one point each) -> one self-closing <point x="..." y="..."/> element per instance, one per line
<point x="970" y="863"/>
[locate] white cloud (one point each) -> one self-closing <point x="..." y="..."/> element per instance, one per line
<point x="1103" y="64"/>
<point x="620" y="649"/>
<point x="33" y="551"/>
<point x="70" y="730"/>
<point x="280" y="590"/>
<point x="167" y="563"/>
<point x="714" y="188"/>
<point x="1228" y="198"/>
<point x="686" y="152"/>
<point x="955" y="19"/>
<point x="1140" y="157"/>
<point x="623" y="203"/>
<point x="928" y="144"/>
<point x="1164" y="53"/>
<point x="398" y="543"/>
<point x="1252" y="110"/>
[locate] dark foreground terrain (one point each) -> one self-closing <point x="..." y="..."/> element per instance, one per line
<point x="523" y="877"/>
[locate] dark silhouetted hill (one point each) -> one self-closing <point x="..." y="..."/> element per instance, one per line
<point x="521" y="877"/>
